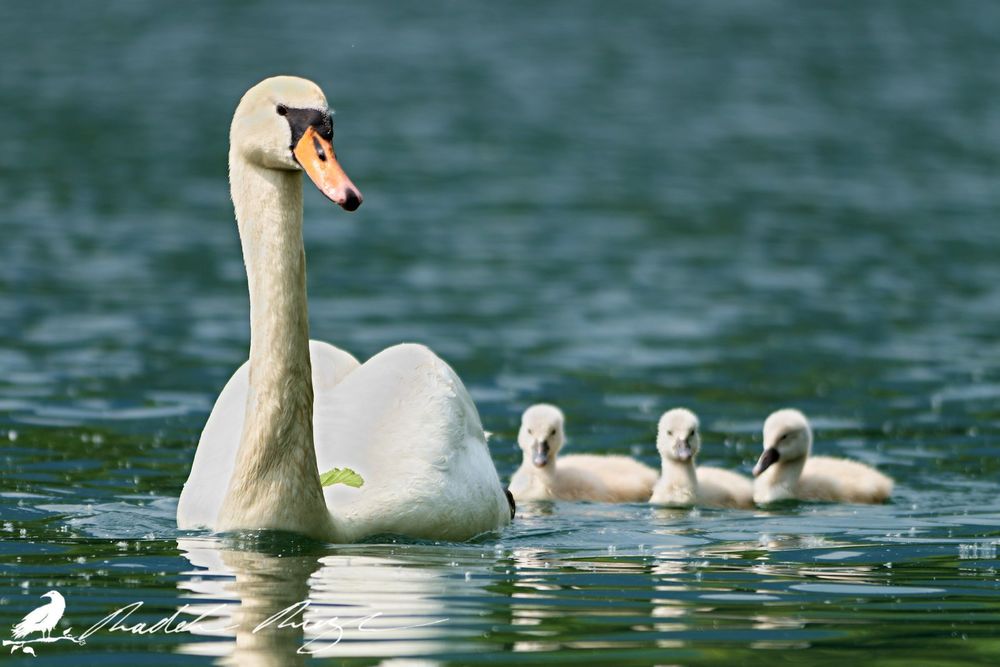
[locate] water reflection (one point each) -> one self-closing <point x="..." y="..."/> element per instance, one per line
<point x="265" y="608"/>
<point x="263" y="585"/>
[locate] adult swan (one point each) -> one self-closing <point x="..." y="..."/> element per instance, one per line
<point x="403" y="420"/>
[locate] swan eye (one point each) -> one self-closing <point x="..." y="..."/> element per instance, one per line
<point x="552" y="432"/>
<point x="282" y="110"/>
<point x="670" y="434"/>
<point x="529" y="432"/>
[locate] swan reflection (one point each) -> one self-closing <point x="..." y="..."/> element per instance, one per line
<point x="266" y="608"/>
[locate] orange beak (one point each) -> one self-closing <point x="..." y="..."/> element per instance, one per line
<point x="315" y="155"/>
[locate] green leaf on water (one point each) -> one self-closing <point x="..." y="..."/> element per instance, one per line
<point x="341" y="476"/>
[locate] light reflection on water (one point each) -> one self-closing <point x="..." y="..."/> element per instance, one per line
<point x="566" y="577"/>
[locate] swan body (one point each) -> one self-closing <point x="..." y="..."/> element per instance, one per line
<point x="787" y="471"/>
<point x="215" y="457"/>
<point x="682" y="484"/>
<point x="544" y="476"/>
<point x="382" y="452"/>
<point x="403" y="420"/>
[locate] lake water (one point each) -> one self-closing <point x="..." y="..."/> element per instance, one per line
<point x="733" y="206"/>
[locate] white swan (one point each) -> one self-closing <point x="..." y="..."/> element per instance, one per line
<point x="786" y="470"/>
<point x="684" y="485"/>
<point x="403" y="420"/>
<point x="544" y="476"/>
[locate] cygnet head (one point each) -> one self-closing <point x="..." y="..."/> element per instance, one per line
<point x="677" y="435"/>
<point x="541" y="435"/>
<point x="787" y="437"/>
<point x="284" y="123"/>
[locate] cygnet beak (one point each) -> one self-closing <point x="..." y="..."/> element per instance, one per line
<point x="766" y="460"/>
<point x="540" y="453"/>
<point x="683" y="450"/>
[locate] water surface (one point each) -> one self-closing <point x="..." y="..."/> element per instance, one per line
<point x="730" y="206"/>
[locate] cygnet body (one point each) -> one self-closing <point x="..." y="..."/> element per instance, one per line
<point x="786" y="470"/>
<point x="683" y="484"/>
<point x="544" y="475"/>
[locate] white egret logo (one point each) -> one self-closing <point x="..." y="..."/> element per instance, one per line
<point x="42" y="620"/>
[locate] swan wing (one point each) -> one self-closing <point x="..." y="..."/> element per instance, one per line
<point x="625" y="479"/>
<point x="843" y="480"/>
<point x="405" y="422"/>
<point x="206" y="486"/>
<point x="723" y="488"/>
<point x="525" y="485"/>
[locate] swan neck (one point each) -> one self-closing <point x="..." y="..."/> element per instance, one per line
<point x="268" y="205"/>
<point x="791" y="470"/>
<point x="276" y="482"/>
<point x="786" y="475"/>
<point x="545" y="472"/>
<point x="679" y="474"/>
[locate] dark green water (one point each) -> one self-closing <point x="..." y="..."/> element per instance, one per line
<point x="728" y="205"/>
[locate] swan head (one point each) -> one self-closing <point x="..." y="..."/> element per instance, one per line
<point x="284" y="123"/>
<point x="542" y="433"/>
<point x="787" y="437"/>
<point x="52" y="595"/>
<point x="677" y="436"/>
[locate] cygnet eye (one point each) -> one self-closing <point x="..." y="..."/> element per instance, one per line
<point x="552" y="432"/>
<point x="529" y="432"/>
<point x="670" y="434"/>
